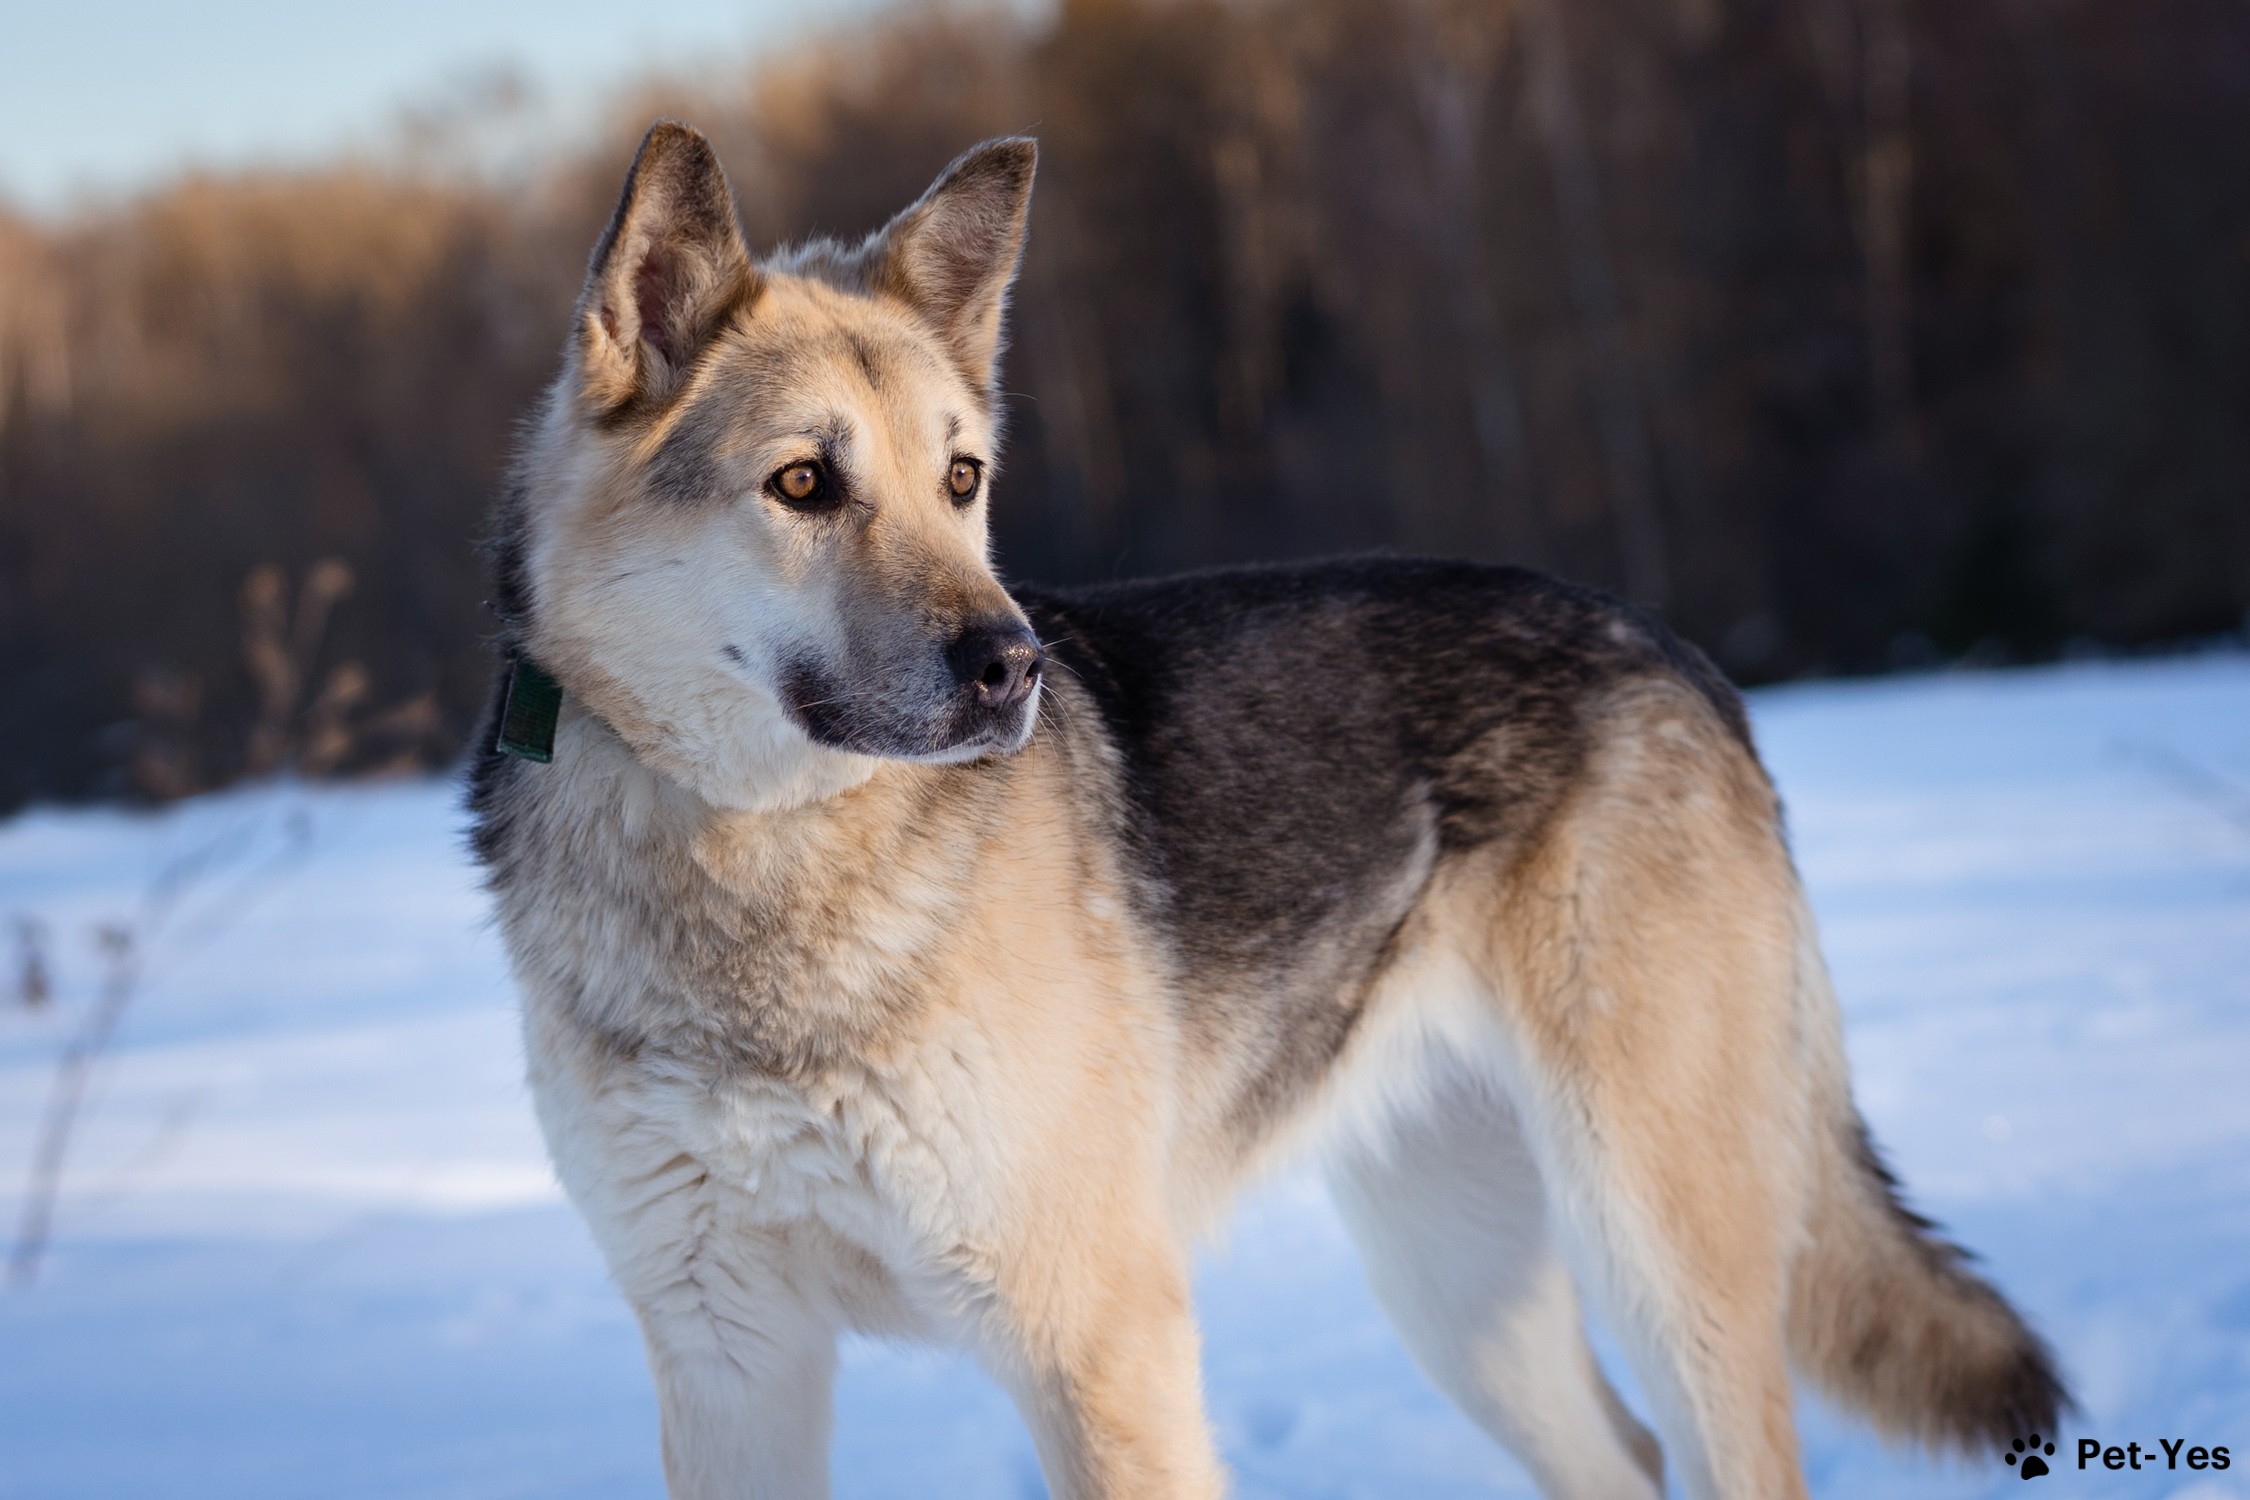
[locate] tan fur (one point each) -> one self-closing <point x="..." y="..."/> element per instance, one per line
<point x="829" y="1040"/>
<point x="1645" y="960"/>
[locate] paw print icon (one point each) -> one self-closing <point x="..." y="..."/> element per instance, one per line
<point x="2030" y="1452"/>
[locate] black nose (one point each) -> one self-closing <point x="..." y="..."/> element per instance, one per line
<point x="997" y="662"/>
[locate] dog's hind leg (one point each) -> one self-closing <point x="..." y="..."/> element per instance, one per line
<point x="1644" y="962"/>
<point x="1451" y="1221"/>
<point x="1684" y="1230"/>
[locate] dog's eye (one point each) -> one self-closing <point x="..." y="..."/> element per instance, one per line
<point x="804" y="486"/>
<point x="964" y="478"/>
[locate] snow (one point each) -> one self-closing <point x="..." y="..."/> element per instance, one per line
<point x="308" y="1244"/>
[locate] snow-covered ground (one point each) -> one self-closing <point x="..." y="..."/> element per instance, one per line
<point x="308" y="1245"/>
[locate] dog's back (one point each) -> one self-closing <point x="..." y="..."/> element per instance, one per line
<point x="1302" y="749"/>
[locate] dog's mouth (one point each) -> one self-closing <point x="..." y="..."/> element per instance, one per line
<point x="989" y="713"/>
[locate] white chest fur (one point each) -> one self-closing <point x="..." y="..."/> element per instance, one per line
<point x="859" y="1196"/>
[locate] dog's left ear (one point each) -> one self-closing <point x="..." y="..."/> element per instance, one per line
<point x="670" y="268"/>
<point x="952" y="256"/>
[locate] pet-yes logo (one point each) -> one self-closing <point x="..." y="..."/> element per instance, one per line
<point x="2034" y="1464"/>
<point x="2028" y="1456"/>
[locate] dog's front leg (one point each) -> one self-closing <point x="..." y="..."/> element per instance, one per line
<point x="1097" y="1341"/>
<point x="745" y="1378"/>
<point x="741" y="1336"/>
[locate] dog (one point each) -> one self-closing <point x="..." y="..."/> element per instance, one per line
<point x="907" y="954"/>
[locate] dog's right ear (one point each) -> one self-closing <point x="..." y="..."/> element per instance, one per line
<point x="668" y="270"/>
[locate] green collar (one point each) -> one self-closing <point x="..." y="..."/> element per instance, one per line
<point x="527" y="719"/>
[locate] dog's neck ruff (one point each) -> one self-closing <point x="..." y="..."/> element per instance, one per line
<point x="791" y="774"/>
<point x="534" y="707"/>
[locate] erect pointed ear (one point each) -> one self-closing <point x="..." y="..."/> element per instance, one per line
<point x="668" y="270"/>
<point x="952" y="256"/>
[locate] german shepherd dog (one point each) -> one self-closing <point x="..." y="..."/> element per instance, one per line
<point x="908" y="954"/>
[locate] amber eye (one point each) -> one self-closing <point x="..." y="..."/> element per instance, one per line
<point x="963" y="480"/>
<point x="800" y="484"/>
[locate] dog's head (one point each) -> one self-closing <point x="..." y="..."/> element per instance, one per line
<point x="752" y="534"/>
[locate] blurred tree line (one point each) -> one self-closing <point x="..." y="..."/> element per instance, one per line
<point x="1847" y="333"/>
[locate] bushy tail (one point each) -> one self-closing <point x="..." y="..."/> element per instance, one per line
<point x="1890" y="1320"/>
<point x="1886" y="1317"/>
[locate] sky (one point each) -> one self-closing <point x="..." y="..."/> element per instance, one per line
<point x="99" y="98"/>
